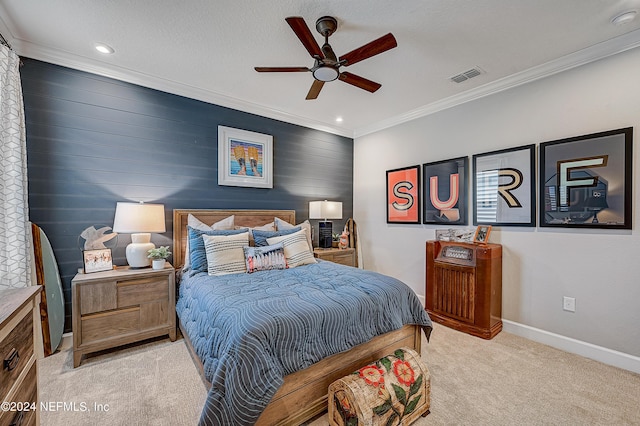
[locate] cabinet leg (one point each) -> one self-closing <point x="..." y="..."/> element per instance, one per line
<point x="172" y="335"/>
<point x="77" y="358"/>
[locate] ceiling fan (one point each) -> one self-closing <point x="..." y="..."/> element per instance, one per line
<point x="327" y="65"/>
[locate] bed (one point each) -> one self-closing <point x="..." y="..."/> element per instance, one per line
<point x="292" y="397"/>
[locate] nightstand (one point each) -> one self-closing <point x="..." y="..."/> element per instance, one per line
<point x="343" y="256"/>
<point x="121" y="306"/>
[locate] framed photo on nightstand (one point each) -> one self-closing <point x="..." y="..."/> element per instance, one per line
<point x="97" y="260"/>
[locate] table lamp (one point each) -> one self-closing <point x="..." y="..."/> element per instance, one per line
<point x="596" y="203"/>
<point x="139" y="220"/>
<point x="325" y="210"/>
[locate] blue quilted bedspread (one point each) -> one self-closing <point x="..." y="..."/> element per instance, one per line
<point x="250" y="330"/>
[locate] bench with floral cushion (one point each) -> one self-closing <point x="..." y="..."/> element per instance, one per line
<point x="395" y="390"/>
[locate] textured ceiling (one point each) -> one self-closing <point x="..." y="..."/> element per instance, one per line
<point x="207" y="49"/>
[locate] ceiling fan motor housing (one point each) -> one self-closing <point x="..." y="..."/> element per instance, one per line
<point x="326" y="25"/>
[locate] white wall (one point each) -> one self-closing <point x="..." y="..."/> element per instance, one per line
<point x="600" y="268"/>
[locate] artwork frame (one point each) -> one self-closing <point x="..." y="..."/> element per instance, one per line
<point x="97" y="260"/>
<point x="453" y="211"/>
<point x="403" y="195"/>
<point x="587" y="176"/>
<point x="504" y="187"/>
<point x="245" y="170"/>
<point x="482" y="234"/>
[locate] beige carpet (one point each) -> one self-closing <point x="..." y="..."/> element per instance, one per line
<point x="505" y="381"/>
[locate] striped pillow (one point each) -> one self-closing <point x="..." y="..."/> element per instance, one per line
<point x="296" y="248"/>
<point x="225" y="254"/>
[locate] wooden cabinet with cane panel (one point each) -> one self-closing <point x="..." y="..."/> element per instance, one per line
<point x="464" y="286"/>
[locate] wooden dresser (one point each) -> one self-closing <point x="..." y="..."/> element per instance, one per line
<point x="342" y="256"/>
<point x="19" y="376"/>
<point x="121" y="306"/>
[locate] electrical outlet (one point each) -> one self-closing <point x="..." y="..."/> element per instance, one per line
<point x="569" y="304"/>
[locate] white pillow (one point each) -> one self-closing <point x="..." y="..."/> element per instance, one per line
<point x="225" y="254"/>
<point x="296" y="248"/>
<point x="224" y="224"/>
<point x="306" y="226"/>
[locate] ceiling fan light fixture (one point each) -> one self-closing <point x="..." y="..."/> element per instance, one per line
<point x="326" y="73"/>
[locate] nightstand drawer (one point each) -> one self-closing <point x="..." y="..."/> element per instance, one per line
<point x="137" y="292"/>
<point x="344" y="259"/>
<point x="27" y="396"/>
<point x="97" y="297"/>
<point x="109" y="324"/>
<point x="16" y="350"/>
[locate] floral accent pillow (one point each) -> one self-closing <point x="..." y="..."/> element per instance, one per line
<point x="265" y="258"/>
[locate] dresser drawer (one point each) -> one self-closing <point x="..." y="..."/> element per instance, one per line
<point x="16" y="349"/>
<point x="140" y="291"/>
<point x="97" y="297"/>
<point x="25" y="397"/>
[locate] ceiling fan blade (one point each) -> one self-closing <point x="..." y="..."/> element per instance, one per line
<point x="281" y="69"/>
<point x="361" y="82"/>
<point x="315" y="89"/>
<point x="370" y="49"/>
<point x="303" y="32"/>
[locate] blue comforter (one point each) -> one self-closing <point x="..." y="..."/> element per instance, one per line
<point x="250" y="330"/>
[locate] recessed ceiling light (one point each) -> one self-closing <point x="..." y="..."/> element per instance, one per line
<point x="339" y="119"/>
<point x="104" y="48"/>
<point x="624" y="17"/>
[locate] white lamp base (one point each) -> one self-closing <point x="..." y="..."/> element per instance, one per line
<point x="137" y="251"/>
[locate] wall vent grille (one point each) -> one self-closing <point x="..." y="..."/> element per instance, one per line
<point x="464" y="76"/>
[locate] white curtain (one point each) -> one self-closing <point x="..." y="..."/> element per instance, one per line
<point x="15" y="241"/>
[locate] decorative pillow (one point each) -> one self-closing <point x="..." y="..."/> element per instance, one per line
<point x="284" y="225"/>
<point x="296" y="248"/>
<point x="225" y="254"/>
<point x="195" y="223"/>
<point x="198" y="254"/>
<point x="260" y="237"/>
<point x="265" y="258"/>
<point x="266" y="227"/>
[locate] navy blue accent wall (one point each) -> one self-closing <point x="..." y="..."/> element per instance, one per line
<point x="93" y="141"/>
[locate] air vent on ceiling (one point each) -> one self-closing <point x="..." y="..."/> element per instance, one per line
<point x="464" y="76"/>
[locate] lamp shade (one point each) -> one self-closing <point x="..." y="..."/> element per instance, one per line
<point x="325" y="210"/>
<point x="132" y="218"/>
<point x="140" y="220"/>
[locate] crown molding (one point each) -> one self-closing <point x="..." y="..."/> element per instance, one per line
<point x="593" y="53"/>
<point x="66" y="59"/>
<point x="599" y="51"/>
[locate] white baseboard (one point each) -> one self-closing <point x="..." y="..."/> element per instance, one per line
<point x="588" y="350"/>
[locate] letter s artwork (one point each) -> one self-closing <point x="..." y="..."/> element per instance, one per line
<point x="403" y="195"/>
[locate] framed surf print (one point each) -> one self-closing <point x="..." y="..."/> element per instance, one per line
<point x="403" y="195"/>
<point x="586" y="181"/>
<point x="504" y="187"/>
<point x="445" y="192"/>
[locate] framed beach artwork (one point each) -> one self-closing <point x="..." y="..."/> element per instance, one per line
<point x="445" y="192"/>
<point x="244" y="158"/>
<point x="586" y="181"/>
<point x="504" y="187"/>
<point x="403" y="195"/>
<point x="97" y="260"/>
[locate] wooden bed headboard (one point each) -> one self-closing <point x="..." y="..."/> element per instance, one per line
<point x="248" y="218"/>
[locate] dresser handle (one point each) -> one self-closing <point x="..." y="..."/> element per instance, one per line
<point x="11" y="361"/>
<point x="17" y="419"/>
